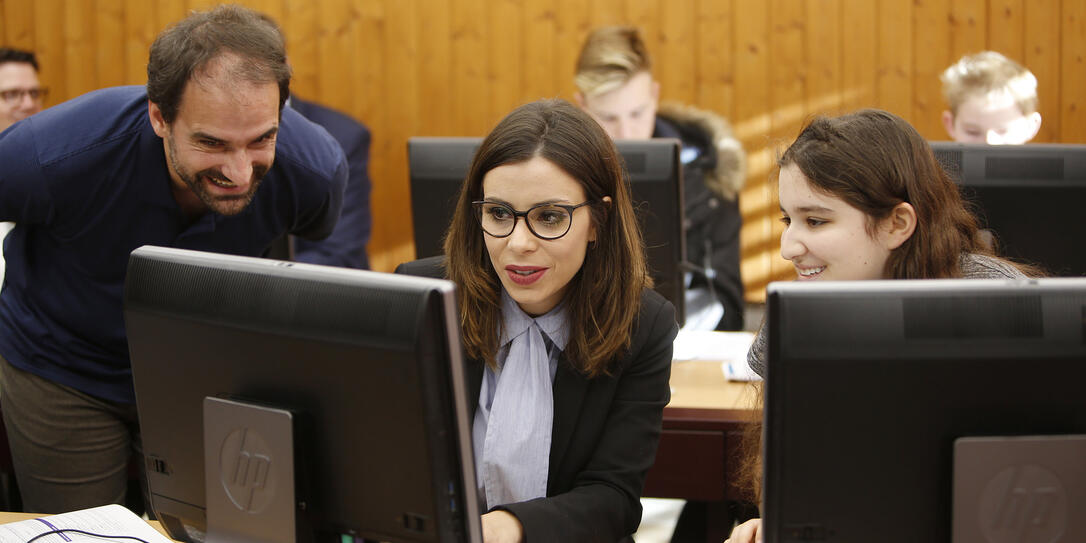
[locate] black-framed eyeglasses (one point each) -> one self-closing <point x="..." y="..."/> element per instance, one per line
<point x="13" y="96"/>
<point x="545" y="221"/>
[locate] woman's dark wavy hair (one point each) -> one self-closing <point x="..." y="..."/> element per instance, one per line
<point x="874" y="160"/>
<point x="604" y="296"/>
<point x="185" y="48"/>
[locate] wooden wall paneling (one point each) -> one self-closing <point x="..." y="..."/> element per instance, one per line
<point x="822" y="45"/>
<point x="1006" y="28"/>
<point x="433" y="67"/>
<point x="392" y="216"/>
<point x="271" y="8"/>
<point x="80" y="44"/>
<point x="789" y="75"/>
<point x="894" y="92"/>
<point x="1043" y="45"/>
<point x="368" y="56"/>
<point x="435" y="70"/>
<point x="505" y="61"/>
<point x="17" y="24"/>
<point x="167" y="12"/>
<point x="608" y="12"/>
<point x="859" y="47"/>
<point x="137" y="36"/>
<point x="365" y="59"/>
<point x="752" y="126"/>
<point x="202" y="5"/>
<point x="49" y="46"/>
<point x="715" y="54"/>
<point x="470" y="88"/>
<point x="299" y="25"/>
<point x="339" y="77"/>
<point x="932" y="56"/>
<point x="968" y="26"/>
<point x="539" y="54"/>
<point x="1073" y="82"/>
<point x="573" y="23"/>
<point x="788" y="68"/>
<point x="677" y="70"/>
<point x="108" y="48"/>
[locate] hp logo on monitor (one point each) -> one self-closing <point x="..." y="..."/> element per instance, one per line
<point x="245" y="470"/>
<point x="1023" y="503"/>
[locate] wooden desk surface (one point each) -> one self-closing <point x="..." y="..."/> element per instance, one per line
<point x="701" y="384"/>
<point x="700" y="447"/>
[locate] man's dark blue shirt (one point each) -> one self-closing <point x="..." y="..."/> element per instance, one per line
<point x="86" y="183"/>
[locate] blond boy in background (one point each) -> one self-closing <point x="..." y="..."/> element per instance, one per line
<point x="992" y="99"/>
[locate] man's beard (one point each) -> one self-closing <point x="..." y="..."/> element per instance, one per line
<point x="223" y="205"/>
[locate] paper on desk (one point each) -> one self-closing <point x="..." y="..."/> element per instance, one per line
<point x="112" y="520"/>
<point x="728" y="347"/>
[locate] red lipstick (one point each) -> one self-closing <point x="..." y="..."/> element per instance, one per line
<point x="524" y="275"/>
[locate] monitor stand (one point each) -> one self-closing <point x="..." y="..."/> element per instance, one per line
<point x="1019" y="489"/>
<point x="249" y="473"/>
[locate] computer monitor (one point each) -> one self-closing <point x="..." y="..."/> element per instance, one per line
<point x="874" y="388"/>
<point x="1029" y="196"/>
<point x="368" y="364"/>
<point x="438" y="167"/>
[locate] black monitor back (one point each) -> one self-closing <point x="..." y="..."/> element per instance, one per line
<point x="369" y="362"/>
<point x="870" y="382"/>
<point x="1029" y="196"/>
<point x="438" y="167"/>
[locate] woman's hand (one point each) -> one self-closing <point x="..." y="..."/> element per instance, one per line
<point x="502" y="527"/>
<point x="748" y="532"/>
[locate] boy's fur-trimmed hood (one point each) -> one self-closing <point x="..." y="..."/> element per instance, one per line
<point x="728" y="176"/>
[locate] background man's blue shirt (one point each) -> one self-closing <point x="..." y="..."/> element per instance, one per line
<point x="86" y="182"/>
<point x="346" y="247"/>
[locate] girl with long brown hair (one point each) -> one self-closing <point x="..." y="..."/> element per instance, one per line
<point x="863" y="197"/>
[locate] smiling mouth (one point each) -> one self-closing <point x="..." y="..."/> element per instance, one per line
<point x="806" y="273"/>
<point x="221" y="182"/>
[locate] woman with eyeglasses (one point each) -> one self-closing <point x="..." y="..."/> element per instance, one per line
<point x="569" y="347"/>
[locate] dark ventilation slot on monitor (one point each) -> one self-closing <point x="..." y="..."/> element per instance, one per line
<point x="957" y="318"/>
<point x="635" y="162"/>
<point x="951" y="162"/>
<point x="414" y="522"/>
<point x="157" y="465"/>
<point x="1039" y="168"/>
<point x="240" y="299"/>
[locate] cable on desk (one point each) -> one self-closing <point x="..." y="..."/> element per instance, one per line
<point x="92" y="534"/>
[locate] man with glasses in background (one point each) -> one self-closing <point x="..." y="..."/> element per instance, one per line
<point x="21" y="94"/>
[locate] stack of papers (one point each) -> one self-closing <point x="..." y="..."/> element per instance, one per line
<point x="730" y="348"/>
<point x="107" y="520"/>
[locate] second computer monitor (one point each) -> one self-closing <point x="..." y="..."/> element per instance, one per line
<point x="911" y="410"/>
<point x="1028" y="196"/>
<point x="438" y="167"/>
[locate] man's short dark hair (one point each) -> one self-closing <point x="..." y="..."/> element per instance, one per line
<point x="10" y="54"/>
<point x="188" y="46"/>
